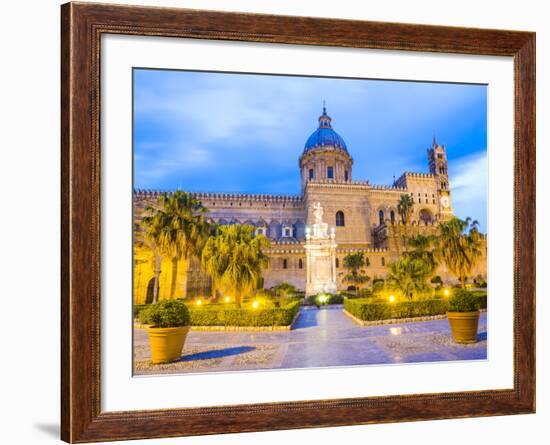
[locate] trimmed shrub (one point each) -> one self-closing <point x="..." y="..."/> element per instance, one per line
<point x="335" y="299"/>
<point x="311" y="300"/>
<point x="365" y="293"/>
<point x="138" y="308"/>
<point x="367" y="310"/>
<point x="463" y="300"/>
<point x="284" y="289"/>
<point x="347" y="294"/>
<point x="219" y="316"/>
<point x="481" y="295"/>
<point x="166" y="314"/>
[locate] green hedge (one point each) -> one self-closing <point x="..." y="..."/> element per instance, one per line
<point x="138" y="308"/>
<point x="281" y="316"/>
<point x="367" y="310"/>
<point x="482" y="295"/>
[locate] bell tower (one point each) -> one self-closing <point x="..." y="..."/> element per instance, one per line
<point x="437" y="162"/>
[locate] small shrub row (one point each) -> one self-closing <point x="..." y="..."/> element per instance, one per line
<point x="366" y="310"/>
<point x="482" y="296"/>
<point x="273" y="316"/>
<point x="373" y="310"/>
<point x="138" y="308"/>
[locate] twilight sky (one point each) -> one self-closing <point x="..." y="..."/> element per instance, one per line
<point x="244" y="133"/>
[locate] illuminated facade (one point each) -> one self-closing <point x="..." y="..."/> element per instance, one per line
<point x="364" y="216"/>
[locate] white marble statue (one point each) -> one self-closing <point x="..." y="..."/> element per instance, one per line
<point x="318" y="213"/>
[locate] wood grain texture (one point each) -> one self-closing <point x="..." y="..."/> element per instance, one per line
<point x="81" y="28"/>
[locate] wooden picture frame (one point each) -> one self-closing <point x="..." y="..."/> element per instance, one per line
<point x="82" y="26"/>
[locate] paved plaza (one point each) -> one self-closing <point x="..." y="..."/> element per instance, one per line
<point x="320" y="338"/>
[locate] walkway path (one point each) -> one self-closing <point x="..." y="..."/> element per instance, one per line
<point x="320" y="338"/>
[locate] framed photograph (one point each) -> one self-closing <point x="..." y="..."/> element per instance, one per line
<point x="275" y="222"/>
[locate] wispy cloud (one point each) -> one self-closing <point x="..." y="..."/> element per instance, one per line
<point x="468" y="177"/>
<point x="234" y="132"/>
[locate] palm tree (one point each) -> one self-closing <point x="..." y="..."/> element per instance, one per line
<point x="423" y="248"/>
<point x="409" y="275"/>
<point x="234" y="258"/>
<point x="180" y="228"/>
<point x="149" y="233"/>
<point x="354" y="263"/>
<point x="460" y="246"/>
<point x="404" y="208"/>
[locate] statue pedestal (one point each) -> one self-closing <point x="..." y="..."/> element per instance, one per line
<point x="320" y="250"/>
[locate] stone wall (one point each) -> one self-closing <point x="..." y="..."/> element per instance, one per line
<point x="358" y="200"/>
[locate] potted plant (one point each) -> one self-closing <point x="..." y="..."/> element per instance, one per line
<point x="463" y="316"/>
<point x="168" y="322"/>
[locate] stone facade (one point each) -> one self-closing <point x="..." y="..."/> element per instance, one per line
<point x="363" y="215"/>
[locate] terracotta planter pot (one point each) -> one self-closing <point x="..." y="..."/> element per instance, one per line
<point x="464" y="326"/>
<point x="166" y="343"/>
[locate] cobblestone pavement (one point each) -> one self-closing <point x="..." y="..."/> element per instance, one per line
<point x="320" y="338"/>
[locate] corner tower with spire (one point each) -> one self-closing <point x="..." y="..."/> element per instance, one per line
<point x="325" y="156"/>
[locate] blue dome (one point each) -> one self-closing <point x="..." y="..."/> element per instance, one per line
<point x="325" y="136"/>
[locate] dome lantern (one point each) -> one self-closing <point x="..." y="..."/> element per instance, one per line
<point x="325" y="136"/>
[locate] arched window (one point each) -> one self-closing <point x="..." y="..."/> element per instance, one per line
<point x="426" y="216"/>
<point x="330" y="172"/>
<point x="383" y="261"/>
<point x="367" y="262"/>
<point x="151" y="291"/>
<point x="392" y="216"/>
<point x="381" y="216"/>
<point x="337" y="262"/>
<point x="300" y="264"/>
<point x="340" y="221"/>
<point x="311" y="174"/>
<point x="285" y="264"/>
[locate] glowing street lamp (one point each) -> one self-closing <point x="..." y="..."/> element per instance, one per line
<point x="446" y="292"/>
<point x="391" y="298"/>
<point x="255" y="304"/>
<point x="323" y="298"/>
<point x="198" y="302"/>
<point x="227" y="299"/>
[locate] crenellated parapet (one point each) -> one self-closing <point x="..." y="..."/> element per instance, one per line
<point x="355" y="184"/>
<point x="368" y="250"/>
<point x="285" y="251"/>
<point x="286" y="241"/>
<point x="217" y="196"/>
<point x="402" y="180"/>
<point x="249" y="197"/>
<point x="388" y="187"/>
<point x="150" y="194"/>
<point x="278" y="249"/>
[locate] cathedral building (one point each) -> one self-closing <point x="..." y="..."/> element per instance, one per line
<point x="363" y="216"/>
